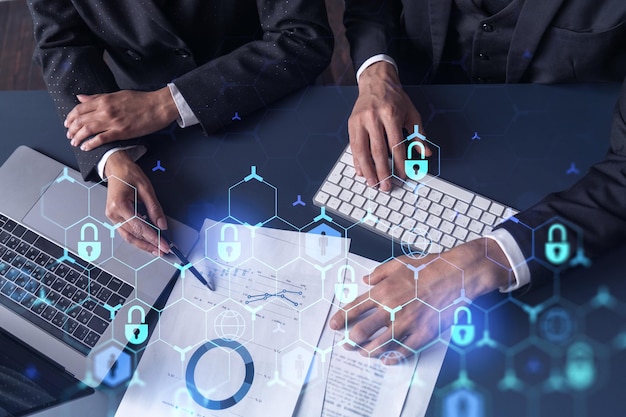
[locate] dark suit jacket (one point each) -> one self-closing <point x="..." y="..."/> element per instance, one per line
<point x="554" y="40"/>
<point x="568" y="41"/>
<point x="225" y="56"/>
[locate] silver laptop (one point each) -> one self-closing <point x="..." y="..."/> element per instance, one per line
<point x="70" y="286"/>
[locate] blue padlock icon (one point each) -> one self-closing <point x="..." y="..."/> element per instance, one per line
<point x="557" y="252"/>
<point x="345" y="293"/>
<point x="463" y="334"/>
<point x="89" y="250"/>
<point x="416" y="169"/>
<point x="229" y="250"/>
<point x="580" y="369"/>
<point x="136" y="333"/>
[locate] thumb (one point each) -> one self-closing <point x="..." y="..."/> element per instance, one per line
<point x="84" y="97"/>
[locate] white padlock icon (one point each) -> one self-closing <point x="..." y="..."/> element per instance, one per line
<point x="345" y="293"/>
<point x="229" y="250"/>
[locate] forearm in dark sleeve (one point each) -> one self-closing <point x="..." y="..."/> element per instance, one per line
<point x="594" y="209"/>
<point x="295" y="48"/>
<point x="72" y="61"/>
<point x="368" y="26"/>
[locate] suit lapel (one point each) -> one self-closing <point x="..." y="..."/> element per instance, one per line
<point x="533" y="21"/>
<point x="439" y="12"/>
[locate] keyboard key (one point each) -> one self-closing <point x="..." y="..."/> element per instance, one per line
<point x="488" y="218"/>
<point x="346" y="195"/>
<point x="29" y="237"/>
<point x="334" y="203"/>
<point x="481" y="202"/>
<point x="125" y="290"/>
<point x="80" y="332"/>
<point x="435" y="196"/>
<point x="395" y="217"/>
<point x="9" y="225"/>
<point x="461" y="207"/>
<point x="460" y="233"/>
<point x="358" y="188"/>
<point x="335" y="175"/>
<point x="345" y="208"/>
<point x="410" y="198"/>
<point x="349" y="172"/>
<point x="59" y="319"/>
<point x="97" y="324"/>
<point x="383" y="212"/>
<point x="408" y="223"/>
<point x="114" y="284"/>
<point x="448" y="201"/>
<point x="358" y="213"/>
<point x="446" y="227"/>
<point x="420" y="215"/>
<point x="435" y="235"/>
<point x="462" y="220"/>
<point x="447" y="241"/>
<point x="423" y="203"/>
<point x="382" y="198"/>
<point x="48" y="313"/>
<point x="358" y="201"/>
<point x="331" y="189"/>
<point x="475" y="226"/>
<point x="395" y="204"/>
<point x="383" y="225"/>
<point x="436" y="209"/>
<point x="321" y="198"/>
<point x="433" y="221"/>
<point x="91" y="339"/>
<point x="396" y="232"/>
<point x="496" y="209"/>
<point x="346" y="182"/>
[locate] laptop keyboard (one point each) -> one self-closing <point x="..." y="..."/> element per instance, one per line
<point x="65" y="298"/>
<point x="430" y="216"/>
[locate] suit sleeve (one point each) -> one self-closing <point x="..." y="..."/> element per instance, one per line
<point x="72" y="60"/>
<point x="295" y="48"/>
<point x="369" y="26"/>
<point x="593" y="210"/>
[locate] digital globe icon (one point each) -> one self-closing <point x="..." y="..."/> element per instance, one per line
<point x="229" y="325"/>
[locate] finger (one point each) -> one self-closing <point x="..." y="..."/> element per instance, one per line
<point x="155" y="213"/>
<point x="365" y="328"/>
<point x="360" y="143"/>
<point x="98" y="140"/>
<point x="129" y="236"/>
<point x="398" y="150"/>
<point x="381" y="159"/>
<point x="77" y="112"/>
<point x="351" y="311"/>
<point x="381" y="272"/>
<point x="87" y="97"/>
<point x="85" y="133"/>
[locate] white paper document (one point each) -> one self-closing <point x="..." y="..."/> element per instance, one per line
<point x="260" y="345"/>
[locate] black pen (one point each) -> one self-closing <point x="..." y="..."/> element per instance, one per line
<point x="183" y="259"/>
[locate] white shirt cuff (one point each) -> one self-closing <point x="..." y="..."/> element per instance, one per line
<point x="135" y="152"/>
<point x="513" y="253"/>
<point x="186" y="117"/>
<point x="373" y="60"/>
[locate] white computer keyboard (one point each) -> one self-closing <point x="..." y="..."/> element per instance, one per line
<point x="431" y="215"/>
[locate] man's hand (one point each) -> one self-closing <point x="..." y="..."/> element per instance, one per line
<point x="427" y="304"/>
<point x="127" y="185"/>
<point x="125" y="114"/>
<point x="382" y="108"/>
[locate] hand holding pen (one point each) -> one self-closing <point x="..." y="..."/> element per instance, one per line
<point x="182" y="258"/>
